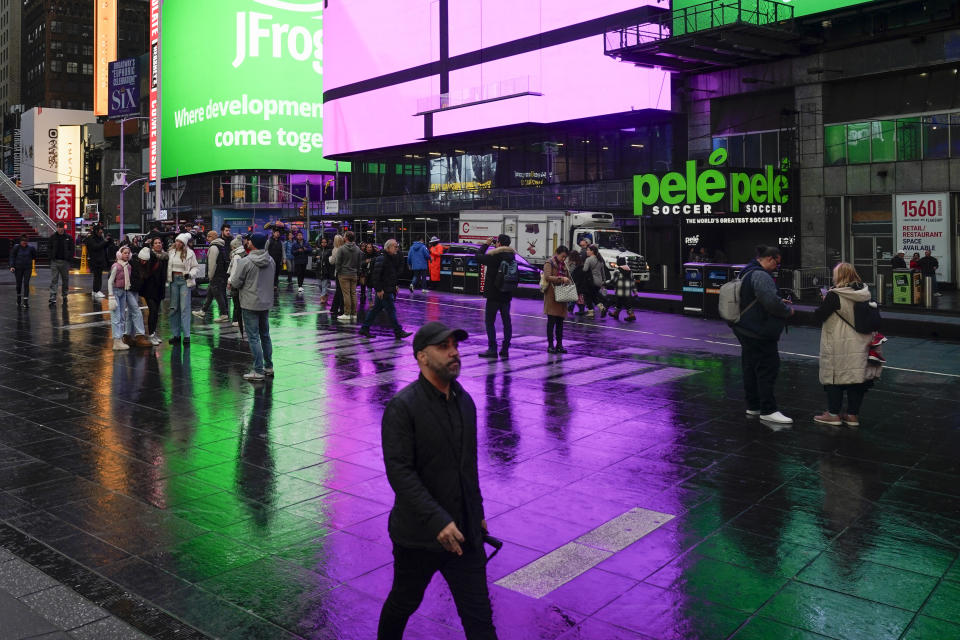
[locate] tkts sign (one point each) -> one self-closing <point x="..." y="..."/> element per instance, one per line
<point x="717" y="190"/>
<point x="63" y="202"/>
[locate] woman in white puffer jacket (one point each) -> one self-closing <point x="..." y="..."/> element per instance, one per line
<point x="844" y="363"/>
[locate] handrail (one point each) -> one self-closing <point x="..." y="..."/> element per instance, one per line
<point x="26" y="207"/>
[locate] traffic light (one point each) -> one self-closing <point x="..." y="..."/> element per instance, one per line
<point x="92" y="175"/>
<point x="303" y="210"/>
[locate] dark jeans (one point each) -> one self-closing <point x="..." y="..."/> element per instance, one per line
<point x="301" y="271"/>
<point x="855" y="394"/>
<point x="760" y="361"/>
<point x="237" y="313"/>
<point x="419" y="278"/>
<point x="97" y="272"/>
<point x="490" y="317"/>
<point x="383" y="303"/>
<point x="153" y="317"/>
<point x="466" y="576"/>
<point x="22" y="276"/>
<point x="336" y="307"/>
<point x="217" y="290"/>
<point x="555" y="329"/>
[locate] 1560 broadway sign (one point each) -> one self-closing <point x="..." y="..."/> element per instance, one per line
<point x="715" y="190"/>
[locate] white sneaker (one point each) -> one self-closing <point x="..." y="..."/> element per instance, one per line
<point x="753" y="412"/>
<point x="938" y="294"/>
<point x="777" y="418"/>
<point x="423" y="290"/>
<point x="223" y="319"/>
<point x="353" y="319"/>
<point x="411" y="288"/>
<point x="155" y="340"/>
<point x="120" y="345"/>
<point x="234" y="324"/>
<point x="197" y="314"/>
<point x="253" y="375"/>
<point x="344" y="318"/>
<point x="299" y="289"/>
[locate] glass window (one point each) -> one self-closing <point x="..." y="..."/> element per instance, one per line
<point x="735" y="151"/>
<point x="56" y="66"/>
<point x="883" y="141"/>
<point x="835" y="144"/>
<point x="751" y="150"/>
<point x="955" y="135"/>
<point x="936" y="136"/>
<point x="769" y="147"/>
<point x="908" y="139"/>
<point x="72" y="67"/>
<point x="871" y="208"/>
<point x="858" y="143"/>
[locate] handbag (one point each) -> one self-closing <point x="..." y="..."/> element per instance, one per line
<point x="565" y="292"/>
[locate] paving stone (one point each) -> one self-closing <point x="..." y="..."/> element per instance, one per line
<point x="63" y="607"/>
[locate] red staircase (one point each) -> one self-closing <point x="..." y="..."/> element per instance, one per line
<point x="12" y="224"/>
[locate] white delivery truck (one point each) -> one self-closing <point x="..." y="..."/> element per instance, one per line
<point x="536" y="234"/>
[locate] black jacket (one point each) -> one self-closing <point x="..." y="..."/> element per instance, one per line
<point x="61" y="247"/>
<point x="898" y="263"/>
<point x="386" y="272"/>
<point x="434" y="483"/>
<point x="275" y="249"/>
<point x="152" y="276"/>
<point x="492" y="262"/>
<point x="928" y="265"/>
<point x="766" y="319"/>
<point x="321" y="262"/>
<point x="22" y="257"/>
<point x="95" y="251"/>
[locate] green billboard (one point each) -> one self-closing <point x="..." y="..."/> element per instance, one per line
<point x="242" y="86"/>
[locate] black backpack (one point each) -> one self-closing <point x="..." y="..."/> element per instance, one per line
<point x="866" y="317"/>
<point x="508" y="276"/>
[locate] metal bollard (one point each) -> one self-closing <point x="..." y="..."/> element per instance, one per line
<point x="928" y="292"/>
<point x="880" y="289"/>
<point x="665" y="273"/>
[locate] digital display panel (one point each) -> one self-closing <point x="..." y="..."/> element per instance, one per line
<point x="242" y="86"/>
<point x="375" y="101"/>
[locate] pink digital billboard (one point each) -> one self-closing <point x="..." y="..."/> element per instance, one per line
<point x="381" y="71"/>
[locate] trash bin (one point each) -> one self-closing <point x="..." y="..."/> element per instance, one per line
<point x="691" y="298"/>
<point x="907" y="286"/>
<point x="714" y="277"/>
<point x="472" y="282"/>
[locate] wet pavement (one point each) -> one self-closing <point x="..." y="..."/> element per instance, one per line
<point x="635" y="499"/>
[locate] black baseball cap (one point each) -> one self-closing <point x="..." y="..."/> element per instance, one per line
<point x="435" y="333"/>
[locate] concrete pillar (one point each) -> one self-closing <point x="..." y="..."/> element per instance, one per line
<point x="809" y="104"/>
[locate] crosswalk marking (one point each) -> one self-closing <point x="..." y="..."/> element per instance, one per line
<point x="657" y="376"/>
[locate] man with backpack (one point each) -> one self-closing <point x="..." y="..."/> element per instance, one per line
<point x="501" y="281"/>
<point x="758" y="323"/>
<point x="218" y="259"/>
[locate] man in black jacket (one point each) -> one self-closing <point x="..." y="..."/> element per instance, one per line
<point x="386" y="273"/>
<point x="97" y="259"/>
<point x="429" y="435"/>
<point x="498" y="300"/>
<point x="61" y="253"/>
<point x="928" y="267"/>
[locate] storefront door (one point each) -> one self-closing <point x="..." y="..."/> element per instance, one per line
<point x="872" y="256"/>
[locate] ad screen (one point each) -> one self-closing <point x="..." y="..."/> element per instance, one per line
<point x="242" y="86"/>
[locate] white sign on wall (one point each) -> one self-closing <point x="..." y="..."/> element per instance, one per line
<point x="40" y="128"/>
<point x="923" y="224"/>
<point x="70" y="160"/>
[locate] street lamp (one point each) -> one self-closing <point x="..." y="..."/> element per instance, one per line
<point x="122" y="182"/>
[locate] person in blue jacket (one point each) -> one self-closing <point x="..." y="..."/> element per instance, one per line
<point x="418" y="259"/>
<point x="22" y="256"/>
<point x="288" y="256"/>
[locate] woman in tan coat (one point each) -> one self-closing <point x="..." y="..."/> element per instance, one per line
<point x="555" y="272"/>
<point x="844" y="363"/>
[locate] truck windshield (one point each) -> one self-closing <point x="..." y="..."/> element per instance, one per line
<point x="610" y="240"/>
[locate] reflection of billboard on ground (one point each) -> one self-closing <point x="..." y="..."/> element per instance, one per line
<point x="242" y="86"/>
<point x="383" y="59"/>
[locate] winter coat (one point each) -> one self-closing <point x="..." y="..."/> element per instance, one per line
<point x="153" y="276"/>
<point x="898" y="263"/>
<point x="253" y="277"/>
<point x="386" y="272"/>
<point x="622" y="282"/>
<point x="418" y="258"/>
<point x="275" y="251"/>
<point x="288" y="249"/>
<point x="189" y="266"/>
<point x="215" y="271"/>
<point x="235" y="255"/>
<point x="300" y="252"/>
<point x="553" y="270"/>
<point x="322" y="262"/>
<point x="492" y="261"/>
<point x="766" y="319"/>
<point x="96" y="245"/>
<point x="347" y="260"/>
<point x="22" y="257"/>
<point x="928" y="266"/>
<point x="436" y="254"/>
<point x="61" y="246"/>
<point x="594" y="266"/>
<point x="844" y="351"/>
<point x="115" y="271"/>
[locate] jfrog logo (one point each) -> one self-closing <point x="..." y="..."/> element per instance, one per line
<point x="716" y="190"/>
<point x="260" y="34"/>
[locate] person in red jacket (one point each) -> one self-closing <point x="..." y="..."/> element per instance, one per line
<point x="436" y="253"/>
